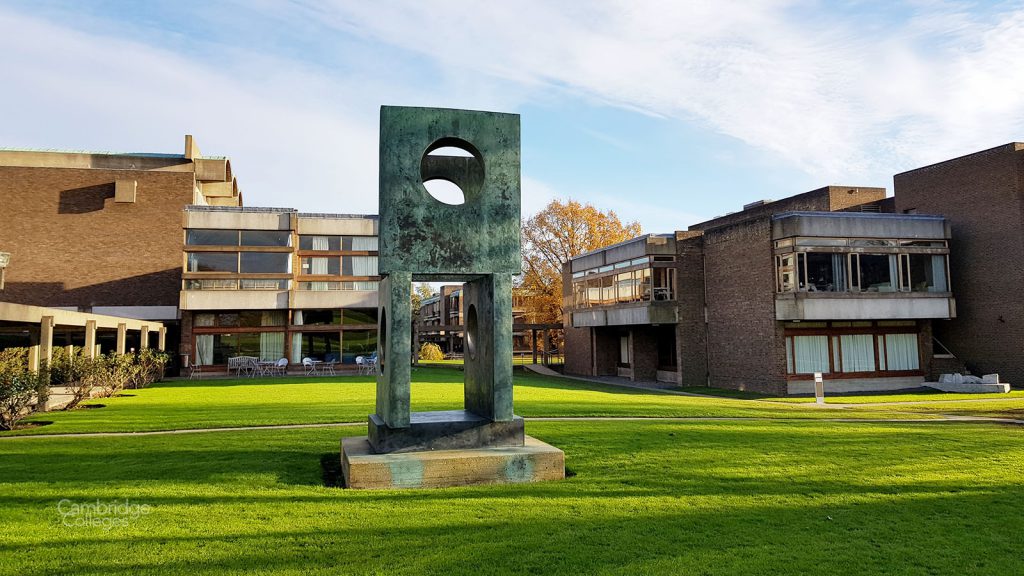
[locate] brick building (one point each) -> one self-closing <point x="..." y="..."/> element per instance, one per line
<point x="982" y="197"/>
<point x="763" y="298"/>
<point x="101" y="232"/>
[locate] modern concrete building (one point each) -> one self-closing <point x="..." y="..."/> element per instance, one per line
<point x="763" y="298"/>
<point x="100" y="232"/>
<point x="275" y="283"/>
<point x="981" y="195"/>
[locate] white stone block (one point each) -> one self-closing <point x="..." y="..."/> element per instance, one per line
<point x="990" y="379"/>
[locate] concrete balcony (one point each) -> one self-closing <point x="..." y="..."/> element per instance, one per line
<point x="626" y="315"/>
<point x="859" y="306"/>
<point x="234" y="299"/>
<point x="310" y="299"/>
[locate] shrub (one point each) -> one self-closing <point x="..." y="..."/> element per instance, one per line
<point x="431" y="351"/>
<point x="151" y="367"/>
<point x="116" y="372"/>
<point x="19" y="388"/>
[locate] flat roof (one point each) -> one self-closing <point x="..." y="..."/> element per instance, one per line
<point x="623" y="243"/>
<point x="857" y="215"/>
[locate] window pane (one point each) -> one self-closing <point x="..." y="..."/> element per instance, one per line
<point x="324" y="346"/>
<point x="326" y="265"/>
<point x="624" y="288"/>
<point x="312" y="242"/>
<point x="199" y="237"/>
<point x="928" y="273"/>
<point x="787" y="272"/>
<point x="826" y="272"/>
<point x="211" y="284"/>
<point x="359" y="316"/>
<point x="248" y="284"/>
<point x="878" y="272"/>
<point x="319" y="286"/>
<point x="266" y="237"/>
<point x="359" y="243"/>
<point x="811" y="354"/>
<point x="213" y="262"/>
<point x="608" y="290"/>
<point x="328" y="317"/>
<point x="901" y="351"/>
<point x="871" y="242"/>
<point x="579" y="294"/>
<point x="254" y="318"/>
<point x="644" y="280"/>
<point x="265" y="262"/>
<point x="359" y="265"/>
<point x="357" y="343"/>
<point x="858" y="352"/>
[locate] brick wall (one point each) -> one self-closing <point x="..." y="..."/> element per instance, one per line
<point x="643" y="353"/>
<point x="72" y="245"/>
<point x="980" y="195"/>
<point x="691" y="330"/>
<point x="746" y="349"/>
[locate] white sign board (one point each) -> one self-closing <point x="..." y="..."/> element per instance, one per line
<point x="819" y="388"/>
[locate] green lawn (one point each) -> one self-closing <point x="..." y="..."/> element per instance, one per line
<point x="726" y="497"/>
<point x="218" y="403"/>
<point x="780" y="492"/>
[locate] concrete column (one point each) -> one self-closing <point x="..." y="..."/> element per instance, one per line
<point x="547" y="346"/>
<point x="46" y="340"/>
<point x="416" y="344"/>
<point x="33" y="358"/>
<point x="161" y="342"/>
<point x="122" y="332"/>
<point x="90" y="338"/>
<point x="70" y="349"/>
<point x="144" y="338"/>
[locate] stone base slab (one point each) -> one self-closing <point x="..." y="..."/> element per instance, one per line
<point x="444" y="430"/>
<point x="535" y="461"/>
<point x="970" y="387"/>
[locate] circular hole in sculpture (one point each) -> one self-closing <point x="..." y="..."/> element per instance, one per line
<point x="445" y="191"/>
<point x="471" y="332"/>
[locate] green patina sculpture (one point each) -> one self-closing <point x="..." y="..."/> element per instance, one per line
<point x="477" y="242"/>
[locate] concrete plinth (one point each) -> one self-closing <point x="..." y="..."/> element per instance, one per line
<point x="535" y="461"/>
<point x="444" y="430"/>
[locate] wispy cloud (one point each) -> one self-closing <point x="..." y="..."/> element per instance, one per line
<point x="840" y="96"/>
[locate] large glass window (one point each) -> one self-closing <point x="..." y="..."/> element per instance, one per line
<point x="877" y="272"/>
<point x="359" y="265"/>
<point x="266" y="238"/>
<point x="810" y="354"/>
<point x="213" y="262"/>
<point x="330" y="317"/>
<point x="901" y="352"/>
<point x="625" y="287"/>
<point x="826" y="272"/>
<point x="359" y="243"/>
<point x="664" y="284"/>
<point x="265" y="262"/>
<point x="203" y="237"/>
<point x="357" y="343"/>
<point x="927" y="273"/>
<point x="857" y="352"/>
<point x="325" y="346"/>
<point x="607" y="290"/>
<point x="218" y="348"/>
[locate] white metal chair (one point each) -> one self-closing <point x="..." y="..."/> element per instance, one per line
<point x="195" y="371"/>
<point x="280" y="367"/>
<point x="309" y="366"/>
<point x="327" y="368"/>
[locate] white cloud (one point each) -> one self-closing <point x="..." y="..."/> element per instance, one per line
<point x="839" y="99"/>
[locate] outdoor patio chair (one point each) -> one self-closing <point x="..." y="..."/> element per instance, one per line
<point x="195" y="371"/>
<point x="308" y="366"/>
<point x="328" y="367"/>
<point x="280" y="368"/>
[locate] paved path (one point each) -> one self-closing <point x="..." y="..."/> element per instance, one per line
<point x="943" y="419"/>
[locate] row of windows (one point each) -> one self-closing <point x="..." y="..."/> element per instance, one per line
<point x="216" y="237"/>
<point x="852" y="353"/>
<point x="643" y="285"/>
<point x="841" y="272"/>
<point x="858" y="242"/>
<point x="618" y="265"/>
<point x="263" y="318"/>
<point x="280" y="263"/>
<point x="339" y="265"/>
<point x="341" y="347"/>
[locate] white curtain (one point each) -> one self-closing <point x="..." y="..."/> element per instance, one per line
<point x="811" y="354"/>
<point x="364" y="265"/>
<point x="858" y="352"/>
<point x="271" y="346"/>
<point x="368" y="243"/>
<point x="297" y="339"/>
<point x="204" y="349"/>
<point x="319" y="266"/>
<point x="894" y="275"/>
<point x="321" y="243"/>
<point x="368" y="286"/>
<point x="901" y="351"/>
<point x="839" y="272"/>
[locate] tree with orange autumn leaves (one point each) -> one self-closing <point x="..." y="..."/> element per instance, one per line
<point x="550" y="238"/>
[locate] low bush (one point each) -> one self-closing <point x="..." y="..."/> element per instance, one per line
<point x="20" y="388"/>
<point x="431" y="351"/>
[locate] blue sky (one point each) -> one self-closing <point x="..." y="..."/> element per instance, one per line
<point x="667" y="112"/>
